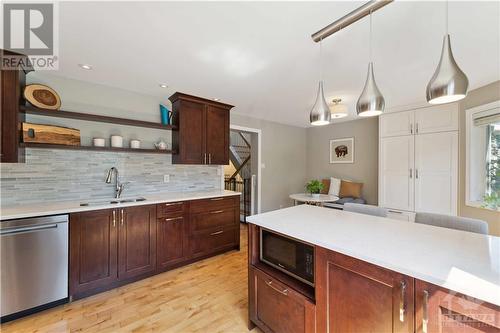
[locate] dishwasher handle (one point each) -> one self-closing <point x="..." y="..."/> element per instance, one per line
<point x="23" y="230"/>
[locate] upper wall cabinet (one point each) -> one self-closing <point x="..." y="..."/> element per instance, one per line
<point x="11" y="85"/>
<point x="440" y="118"/>
<point x="203" y="130"/>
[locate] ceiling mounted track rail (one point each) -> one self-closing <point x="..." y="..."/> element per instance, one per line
<point x="350" y="18"/>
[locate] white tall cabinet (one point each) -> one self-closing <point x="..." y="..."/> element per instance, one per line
<point x="418" y="161"/>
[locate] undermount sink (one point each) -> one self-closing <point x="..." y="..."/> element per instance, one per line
<point x="112" y="201"/>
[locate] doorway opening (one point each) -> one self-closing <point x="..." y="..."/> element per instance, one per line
<point x="243" y="172"/>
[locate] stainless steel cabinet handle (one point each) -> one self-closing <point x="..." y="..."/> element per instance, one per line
<point x="283" y="292"/>
<point x="122" y="217"/>
<point x="205" y="158"/>
<point x="395" y="211"/>
<point x="411" y="173"/>
<point x="114" y="218"/>
<point x="216" y="212"/>
<point x="416" y="128"/>
<point x="416" y="173"/>
<point x="411" y="128"/>
<point x="217" y="199"/>
<point x="425" y="311"/>
<point x="402" y="305"/>
<point x="173" y="203"/>
<point x="209" y="158"/>
<point x="27" y="229"/>
<point x="174" y="218"/>
<point x="216" y="233"/>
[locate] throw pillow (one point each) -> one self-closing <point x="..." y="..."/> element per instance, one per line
<point x="326" y="186"/>
<point x="334" y="186"/>
<point x="350" y="189"/>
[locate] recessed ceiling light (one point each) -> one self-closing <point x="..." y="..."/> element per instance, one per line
<point x="85" y="66"/>
<point x="216" y="99"/>
<point x="163" y="85"/>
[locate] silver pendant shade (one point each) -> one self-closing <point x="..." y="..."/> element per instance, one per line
<point x="449" y="83"/>
<point x="320" y="113"/>
<point x="371" y="102"/>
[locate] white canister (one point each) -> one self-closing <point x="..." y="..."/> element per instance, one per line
<point x="135" y="144"/>
<point x="99" y="142"/>
<point x="116" y="141"/>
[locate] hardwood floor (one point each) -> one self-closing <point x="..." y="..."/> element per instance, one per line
<point x="207" y="296"/>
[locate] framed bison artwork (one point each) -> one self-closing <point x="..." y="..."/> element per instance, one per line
<point x="342" y="150"/>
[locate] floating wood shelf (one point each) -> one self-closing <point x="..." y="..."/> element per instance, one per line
<point x="93" y="117"/>
<point x="112" y="149"/>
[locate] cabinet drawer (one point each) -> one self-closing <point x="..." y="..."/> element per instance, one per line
<point x="209" y="242"/>
<point x="170" y="208"/>
<point x="401" y="215"/>
<point x="277" y="308"/>
<point x="214" y="219"/>
<point x="214" y="204"/>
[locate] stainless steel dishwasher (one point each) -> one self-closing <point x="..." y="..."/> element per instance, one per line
<point x="34" y="266"/>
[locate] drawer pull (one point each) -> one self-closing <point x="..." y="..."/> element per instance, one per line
<point x="216" y="233"/>
<point x="174" y="218"/>
<point x="217" y="199"/>
<point x="216" y="212"/>
<point x="425" y="311"/>
<point x="283" y="292"/>
<point x="394" y="211"/>
<point x="402" y="303"/>
<point x="173" y="204"/>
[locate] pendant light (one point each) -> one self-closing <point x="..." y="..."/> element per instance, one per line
<point x="449" y="83"/>
<point x="338" y="110"/>
<point x="320" y="113"/>
<point x="371" y="102"/>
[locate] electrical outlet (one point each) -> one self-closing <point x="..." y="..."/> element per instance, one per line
<point x="166" y="178"/>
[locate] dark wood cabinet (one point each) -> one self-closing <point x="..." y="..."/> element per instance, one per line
<point x="203" y="130"/>
<point x="172" y="234"/>
<point x="277" y="308"/>
<point x="112" y="247"/>
<point x="214" y="225"/>
<point x="439" y="310"/>
<point x="137" y="241"/>
<point x="93" y="250"/>
<point x="356" y="296"/>
<point x="12" y="83"/>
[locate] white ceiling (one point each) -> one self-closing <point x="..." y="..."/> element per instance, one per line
<point x="259" y="56"/>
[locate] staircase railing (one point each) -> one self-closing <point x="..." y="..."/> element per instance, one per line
<point x="244" y="188"/>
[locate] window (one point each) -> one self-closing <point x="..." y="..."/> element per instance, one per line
<point x="483" y="156"/>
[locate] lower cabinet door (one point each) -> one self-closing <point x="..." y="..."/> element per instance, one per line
<point x="137" y="241"/>
<point x="440" y="310"/>
<point x="276" y="308"/>
<point x="93" y="250"/>
<point x="209" y="242"/>
<point x="355" y="296"/>
<point x="172" y="241"/>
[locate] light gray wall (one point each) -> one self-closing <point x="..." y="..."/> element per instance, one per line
<point x="365" y="166"/>
<point x="283" y="154"/>
<point x="87" y="97"/>
<point x="480" y="96"/>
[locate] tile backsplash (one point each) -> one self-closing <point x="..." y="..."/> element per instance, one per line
<point x="55" y="175"/>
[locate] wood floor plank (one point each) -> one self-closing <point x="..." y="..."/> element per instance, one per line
<point x="209" y="296"/>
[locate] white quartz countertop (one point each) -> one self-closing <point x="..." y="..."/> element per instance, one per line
<point x="65" y="207"/>
<point x="465" y="262"/>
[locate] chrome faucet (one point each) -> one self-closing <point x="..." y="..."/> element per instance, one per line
<point x="119" y="186"/>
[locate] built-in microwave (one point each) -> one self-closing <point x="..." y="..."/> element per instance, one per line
<point x="289" y="255"/>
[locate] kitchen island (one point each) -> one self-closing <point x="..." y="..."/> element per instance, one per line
<point x="380" y="275"/>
